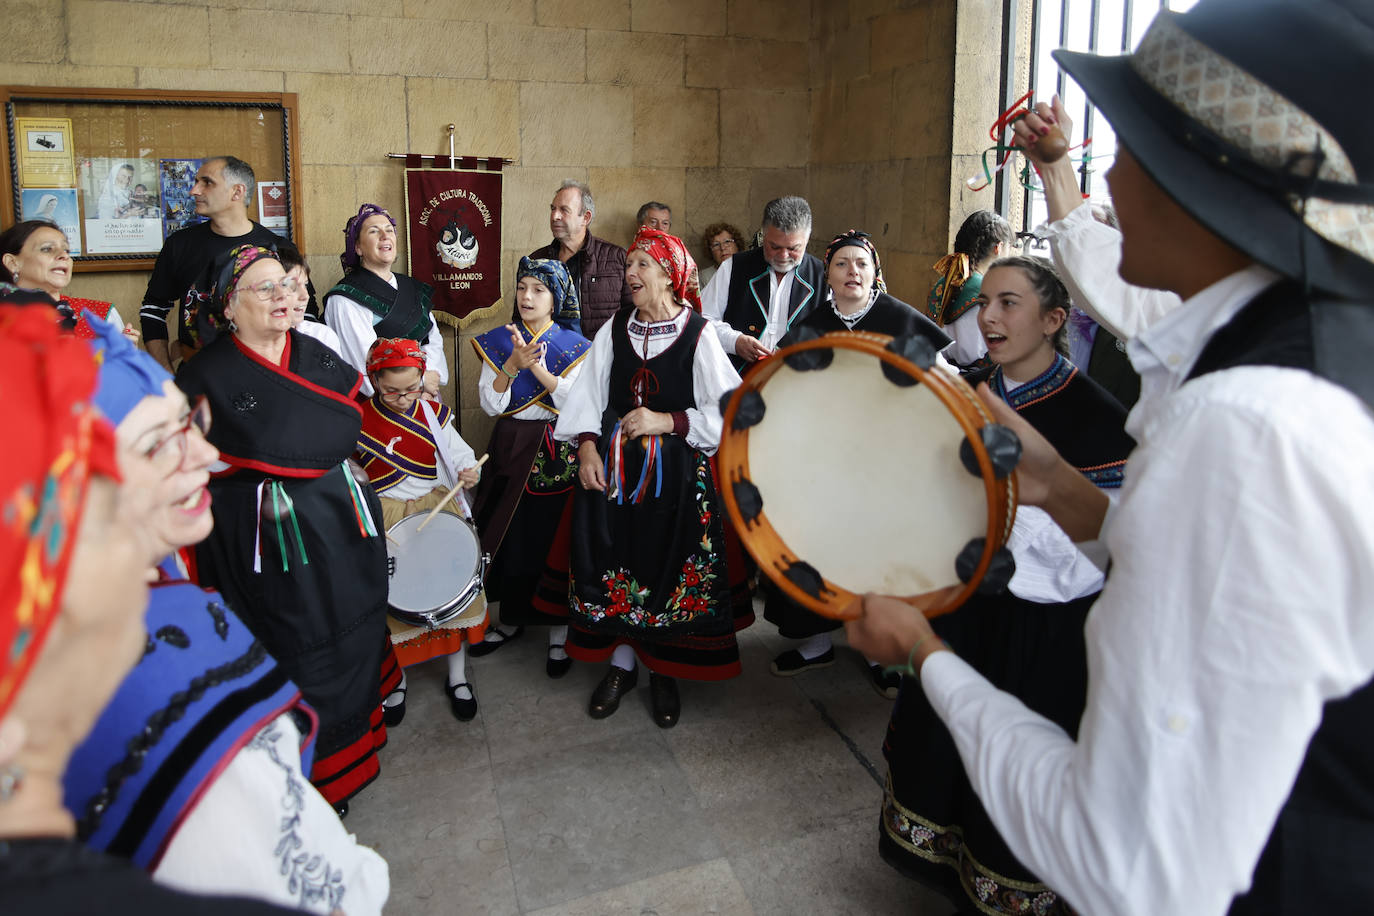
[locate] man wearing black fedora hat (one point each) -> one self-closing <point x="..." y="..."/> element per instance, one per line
<point x="1225" y="758"/>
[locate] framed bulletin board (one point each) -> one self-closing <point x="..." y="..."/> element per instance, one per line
<point x="114" y="167"/>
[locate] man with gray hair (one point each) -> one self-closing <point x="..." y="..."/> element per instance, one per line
<point x="596" y="266"/>
<point x="655" y="215"/>
<point x="222" y="192"/>
<point x="757" y="295"/>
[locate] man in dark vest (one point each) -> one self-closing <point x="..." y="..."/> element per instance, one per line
<point x="1224" y="761"/>
<point x="757" y="295"/>
<point x="595" y="265"/>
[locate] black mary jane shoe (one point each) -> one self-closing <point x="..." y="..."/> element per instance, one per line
<point x="392" y="715"/>
<point x="557" y="667"/>
<point x="666" y="702"/>
<point x="606" y="696"/>
<point x="463" y="710"/>
<point x="489" y="645"/>
<point x="341" y="809"/>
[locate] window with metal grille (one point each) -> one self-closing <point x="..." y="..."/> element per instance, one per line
<point x="1032" y="29"/>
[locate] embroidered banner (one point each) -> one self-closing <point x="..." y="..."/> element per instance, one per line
<point x="453" y="233"/>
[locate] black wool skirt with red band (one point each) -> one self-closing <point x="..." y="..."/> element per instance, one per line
<point x="652" y="573"/>
<point x="523" y="511"/>
<point x="323" y="620"/>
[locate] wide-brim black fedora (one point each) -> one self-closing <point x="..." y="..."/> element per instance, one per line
<point x="1225" y="105"/>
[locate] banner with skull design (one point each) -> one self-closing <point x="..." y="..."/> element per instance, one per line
<point x="453" y="225"/>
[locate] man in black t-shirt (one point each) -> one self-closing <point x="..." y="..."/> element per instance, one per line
<point x="222" y="192"/>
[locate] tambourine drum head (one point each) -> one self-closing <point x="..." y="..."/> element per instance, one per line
<point x="861" y="478"/>
<point x="433" y="570"/>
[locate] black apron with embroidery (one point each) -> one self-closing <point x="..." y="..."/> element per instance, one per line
<point x="654" y="570"/>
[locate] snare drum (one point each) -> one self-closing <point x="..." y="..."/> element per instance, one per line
<point x="850" y="464"/>
<point x="436" y="574"/>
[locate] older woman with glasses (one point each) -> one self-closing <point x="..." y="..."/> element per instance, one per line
<point x="720" y="241"/>
<point x="166" y="771"/>
<point x="297" y="546"/>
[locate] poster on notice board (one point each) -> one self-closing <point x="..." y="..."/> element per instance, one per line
<point x="120" y="205"/>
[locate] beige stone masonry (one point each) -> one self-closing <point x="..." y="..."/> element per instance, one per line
<point x="34" y="33"/>
<point x="486" y="115"/>
<point x="21" y="74"/>
<point x="106" y="33"/>
<point x="738" y="63"/>
<point x="683" y="17"/>
<point x="313" y="42"/>
<point x="520" y="52"/>
<point x="352" y="118"/>
<point x="619" y="193"/>
<point x="784" y="20"/>
<point x="509" y="12"/>
<point x="583" y="14"/>
<point x="761" y="129"/>
<point x="634" y="58"/>
<point x="212" y="80"/>
<point x="576" y="125"/>
<point x="418" y="47"/>
<point x="687" y="137"/>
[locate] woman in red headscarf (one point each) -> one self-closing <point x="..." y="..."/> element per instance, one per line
<point x="414" y="456"/>
<point x="648" y="562"/>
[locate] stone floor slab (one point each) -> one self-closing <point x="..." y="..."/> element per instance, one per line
<point x="709" y="888"/>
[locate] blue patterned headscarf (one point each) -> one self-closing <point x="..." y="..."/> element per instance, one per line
<point x="567" y="311"/>
<point x="127" y="374"/>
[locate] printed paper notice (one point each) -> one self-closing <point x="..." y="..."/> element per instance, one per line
<point x="272" y="204"/>
<point x="44" y="146"/>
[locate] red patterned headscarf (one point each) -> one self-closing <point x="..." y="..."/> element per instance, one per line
<point x="674" y="258"/>
<point x="46" y="409"/>
<point x="394" y="353"/>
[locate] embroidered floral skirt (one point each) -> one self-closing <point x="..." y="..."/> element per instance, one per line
<point x="933" y="827"/>
<point x="523" y="511"/>
<point x="652" y="573"/>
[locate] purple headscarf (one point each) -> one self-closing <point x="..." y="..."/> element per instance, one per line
<point x="349" y="259"/>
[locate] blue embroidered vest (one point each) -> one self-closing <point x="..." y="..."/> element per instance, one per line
<point x="565" y="350"/>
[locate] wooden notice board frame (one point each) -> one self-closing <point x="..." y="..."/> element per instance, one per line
<point x="111" y="127"/>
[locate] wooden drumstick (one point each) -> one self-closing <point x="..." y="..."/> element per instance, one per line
<point x="445" y="501"/>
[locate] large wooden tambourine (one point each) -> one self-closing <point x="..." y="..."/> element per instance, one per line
<point x="851" y="463"/>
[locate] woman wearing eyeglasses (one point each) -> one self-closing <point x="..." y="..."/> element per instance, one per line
<point x="720" y="241"/>
<point x="206" y="734"/>
<point x="374" y="301"/>
<point x="297" y="546"/>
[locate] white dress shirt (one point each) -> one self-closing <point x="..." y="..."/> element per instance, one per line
<point x="1087" y="255"/>
<point x="969" y="345"/>
<point x="496" y="403"/>
<point x="712" y="376"/>
<point x="354" y="323"/>
<point x="716" y="296"/>
<point x="1243" y="565"/>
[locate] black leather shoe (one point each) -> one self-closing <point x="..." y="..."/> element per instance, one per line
<point x="667" y="704"/>
<point x="392" y="715"/>
<point x="495" y="639"/>
<point x="463" y="710"/>
<point x="557" y="667"/>
<point x="606" y="696"/>
<point x="341" y="809"/>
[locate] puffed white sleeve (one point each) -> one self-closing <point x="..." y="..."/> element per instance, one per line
<point x="493" y="402"/>
<point x="587" y="397"/>
<point x="459" y="452"/>
<point x="434" y="352"/>
<point x="353" y="323"/>
<point x="1049" y="566"/>
<point x="712" y="376"/>
<point x="714" y="297"/>
<point x="1087" y="254"/>
<point x="968" y="343"/>
<point x="560" y="393"/>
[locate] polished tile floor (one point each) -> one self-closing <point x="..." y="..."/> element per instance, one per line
<point x="763" y="799"/>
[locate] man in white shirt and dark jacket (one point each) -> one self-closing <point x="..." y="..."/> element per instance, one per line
<point x="1224" y="761"/>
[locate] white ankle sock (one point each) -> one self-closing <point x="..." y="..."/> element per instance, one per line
<point x="395" y="697"/>
<point x="558" y="637"/>
<point x="494" y="630"/>
<point x="624" y="657"/>
<point x="815" y="646"/>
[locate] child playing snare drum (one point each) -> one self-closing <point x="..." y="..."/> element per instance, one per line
<point x="413" y="456"/>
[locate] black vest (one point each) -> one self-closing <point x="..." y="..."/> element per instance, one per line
<point x="746" y="309"/>
<point x="667" y="377"/>
<point x="1318" y="856"/>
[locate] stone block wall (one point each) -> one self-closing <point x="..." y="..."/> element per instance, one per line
<point x="713" y="106"/>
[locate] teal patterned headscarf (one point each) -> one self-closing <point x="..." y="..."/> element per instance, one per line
<point x="567" y="310"/>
